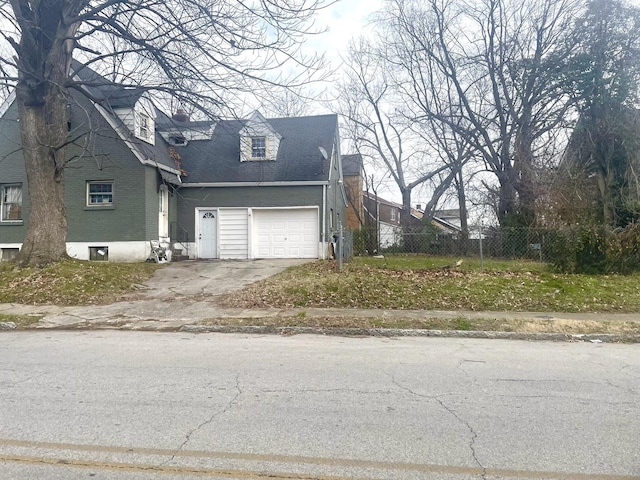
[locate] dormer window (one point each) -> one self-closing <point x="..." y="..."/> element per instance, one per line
<point x="144" y="123"/>
<point x="259" y="147"/>
<point x="259" y="141"/>
<point x="177" y="140"/>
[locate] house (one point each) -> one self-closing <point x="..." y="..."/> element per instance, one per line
<point x="353" y="173"/>
<point x="384" y="216"/>
<point x="262" y="188"/>
<point x="234" y="189"/>
<point x="446" y="220"/>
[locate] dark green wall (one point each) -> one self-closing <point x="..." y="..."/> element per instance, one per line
<point x="100" y="155"/>
<point x="12" y="171"/>
<point x="192" y="197"/>
<point x="135" y="186"/>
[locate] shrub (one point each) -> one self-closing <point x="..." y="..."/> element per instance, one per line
<point x="596" y="250"/>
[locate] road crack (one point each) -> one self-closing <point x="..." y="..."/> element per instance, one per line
<point x="209" y="420"/>
<point x="452" y="412"/>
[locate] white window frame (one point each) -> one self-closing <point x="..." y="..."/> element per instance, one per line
<point x="103" y="194"/>
<point x="144" y="125"/>
<point x="393" y="214"/>
<point x="4" y="203"/>
<point x="258" y="138"/>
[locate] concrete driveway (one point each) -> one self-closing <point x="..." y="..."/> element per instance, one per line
<point x="180" y="293"/>
<point x="207" y="278"/>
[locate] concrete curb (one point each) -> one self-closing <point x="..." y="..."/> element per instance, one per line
<point x="396" y="332"/>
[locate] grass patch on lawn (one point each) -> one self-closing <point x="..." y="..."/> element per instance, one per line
<point x="569" y="327"/>
<point x="71" y="282"/>
<point x="424" y="283"/>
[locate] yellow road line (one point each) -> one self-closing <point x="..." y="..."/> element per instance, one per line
<point x="167" y="469"/>
<point x="286" y="459"/>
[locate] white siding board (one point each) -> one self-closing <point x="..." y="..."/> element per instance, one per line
<point x="234" y="233"/>
<point x="128" y="118"/>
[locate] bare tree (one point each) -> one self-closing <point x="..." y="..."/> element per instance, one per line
<point x="499" y="61"/>
<point x="202" y="52"/>
<point x="379" y="129"/>
<point x="287" y="102"/>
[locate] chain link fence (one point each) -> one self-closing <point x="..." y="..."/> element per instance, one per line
<point x="508" y="243"/>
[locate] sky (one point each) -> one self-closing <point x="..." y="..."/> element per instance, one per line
<point x="344" y="19"/>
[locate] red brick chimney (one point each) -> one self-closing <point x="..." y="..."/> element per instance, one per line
<point x="180" y="116"/>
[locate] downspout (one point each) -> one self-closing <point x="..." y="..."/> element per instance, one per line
<point x="378" y="222"/>
<point x="324" y="221"/>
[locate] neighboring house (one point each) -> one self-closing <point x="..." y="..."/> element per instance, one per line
<point x="256" y="188"/>
<point x="353" y="172"/>
<point x="448" y="221"/>
<point x="384" y="216"/>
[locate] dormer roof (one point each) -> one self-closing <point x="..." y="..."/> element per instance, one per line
<point x="181" y="126"/>
<point x="110" y="97"/>
<point x="256" y="124"/>
<point x="299" y="158"/>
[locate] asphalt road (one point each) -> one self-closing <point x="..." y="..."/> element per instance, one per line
<point x="140" y="405"/>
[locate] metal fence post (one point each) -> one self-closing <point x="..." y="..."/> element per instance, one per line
<point x="481" y="256"/>
<point x="340" y="247"/>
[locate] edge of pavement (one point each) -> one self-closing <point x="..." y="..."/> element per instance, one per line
<point x="197" y="317"/>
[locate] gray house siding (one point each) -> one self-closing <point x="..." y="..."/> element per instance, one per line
<point x="12" y="172"/>
<point x="98" y="155"/>
<point x="107" y="158"/>
<point x="219" y="197"/>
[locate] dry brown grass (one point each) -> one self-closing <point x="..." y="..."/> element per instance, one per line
<point x="525" y="326"/>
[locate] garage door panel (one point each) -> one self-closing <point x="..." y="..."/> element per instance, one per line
<point x="286" y="233"/>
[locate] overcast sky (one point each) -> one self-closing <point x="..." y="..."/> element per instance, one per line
<point x="345" y="19"/>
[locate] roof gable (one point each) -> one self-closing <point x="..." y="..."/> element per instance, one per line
<point x="258" y="125"/>
<point x="299" y="158"/>
<point x="118" y="105"/>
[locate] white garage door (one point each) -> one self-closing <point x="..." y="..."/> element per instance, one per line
<point x="285" y="233"/>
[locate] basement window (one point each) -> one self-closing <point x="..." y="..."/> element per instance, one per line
<point x="7" y="254"/>
<point x="99" y="254"/>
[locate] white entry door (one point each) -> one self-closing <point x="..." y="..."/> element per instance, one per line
<point x="208" y="234"/>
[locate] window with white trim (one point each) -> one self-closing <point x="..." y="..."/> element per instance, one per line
<point x="393" y="214"/>
<point x="259" y="147"/>
<point x="144" y="126"/>
<point x="99" y="193"/>
<point x="11" y="200"/>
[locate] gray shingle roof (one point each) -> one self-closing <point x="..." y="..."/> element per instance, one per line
<point x="299" y="158"/>
<point x="111" y="96"/>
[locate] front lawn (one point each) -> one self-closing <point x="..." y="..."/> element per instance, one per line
<point x="71" y="282"/>
<point x="420" y="282"/>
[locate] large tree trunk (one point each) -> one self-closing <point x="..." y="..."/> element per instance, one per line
<point x="462" y="207"/>
<point x="44" y="63"/>
<point x="46" y="237"/>
<point x="523" y="168"/>
<point x="506" y="202"/>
